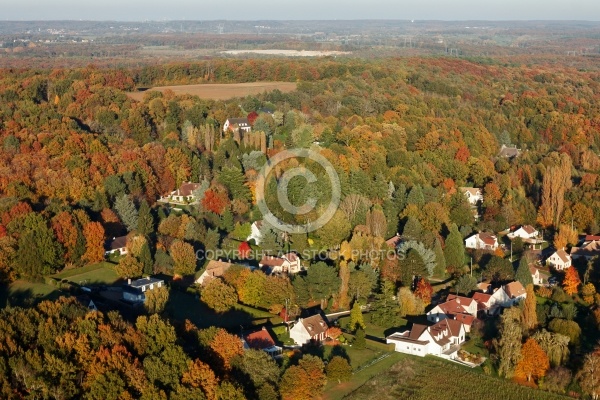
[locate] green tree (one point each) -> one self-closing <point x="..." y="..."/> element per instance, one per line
<point x="218" y="295"/>
<point x="145" y="223"/>
<point x="415" y="196"/>
<point x="184" y="258"/>
<point x="455" y="249"/>
<point x="466" y="284"/>
<point x="38" y="251"/>
<point x="145" y="258"/>
<point x="498" y="269"/>
<point x="335" y="231"/>
<point x="127" y="212"/>
<point x="413" y="229"/>
<point x="360" y="339"/>
<point x="509" y="345"/>
<point x="338" y="369"/>
<point x="156" y="300"/>
<point x="322" y="282"/>
<point x="440" y="259"/>
<point x="523" y="274"/>
<point x="356" y="318"/>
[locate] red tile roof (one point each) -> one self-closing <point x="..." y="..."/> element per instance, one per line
<point x="514" y="289"/>
<point x="488" y="238"/>
<point x="260" y="340"/>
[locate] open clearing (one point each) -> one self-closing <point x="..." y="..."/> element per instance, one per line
<point x="220" y="91"/>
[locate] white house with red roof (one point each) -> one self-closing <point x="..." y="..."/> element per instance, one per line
<point x="117" y="245"/>
<point x="306" y="329"/>
<point x="442" y="339"/>
<point x="509" y="295"/>
<point x="459" y="308"/>
<point x="484" y="303"/>
<point x="560" y="260"/>
<point x="525" y="232"/>
<point x="482" y="241"/>
<point x="184" y="194"/>
<point x="287" y="264"/>
<point x="241" y="124"/>
<point x="261" y="340"/>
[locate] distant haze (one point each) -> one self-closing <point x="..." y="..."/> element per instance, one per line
<point x="449" y="10"/>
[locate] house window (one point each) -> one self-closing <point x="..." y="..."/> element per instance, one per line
<point x="159" y="283"/>
<point x="143" y="288"/>
<point x="151" y="286"/>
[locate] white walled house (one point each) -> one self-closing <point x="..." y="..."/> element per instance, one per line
<point x="525" y="232"/>
<point x="306" y="329"/>
<point x="442" y="339"/>
<point x="241" y="123"/>
<point x="459" y="308"/>
<point x="560" y="260"/>
<point x="589" y="249"/>
<point x="539" y="277"/>
<point x="509" y="295"/>
<point x="482" y="241"/>
<point x="183" y="194"/>
<point x="135" y="291"/>
<point x="255" y="232"/>
<point x="118" y="245"/>
<point x="288" y="264"/>
<point x="472" y="194"/>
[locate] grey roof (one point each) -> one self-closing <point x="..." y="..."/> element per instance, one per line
<point x="139" y="283"/>
<point x="509" y="151"/>
<point x="117" y="243"/>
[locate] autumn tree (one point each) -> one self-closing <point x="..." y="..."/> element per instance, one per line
<point x="184" y="258"/>
<point x="304" y="381"/>
<point x="128" y="267"/>
<point x="424" y="291"/>
<point x="589" y="374"/>
<point x="94" y="241"/>
<point x="408" y="303"/>
<point x="344" y="273"/>
<point x="565" y="236"/>
<point x="557" y="180"/>
<point x="156" y="300"/>
<point x="534" y="362"/>
<point x="200" y="375"/>
<point x="218" y="295"/>
<point x="571" y="281"/>
<point x="529" y="309"/>
<point x="226" y="346"/>
<point x="508" y="346"/>
<point x="338" y="369"/>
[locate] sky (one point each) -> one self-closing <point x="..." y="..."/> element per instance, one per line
<point x="449" y="10"/>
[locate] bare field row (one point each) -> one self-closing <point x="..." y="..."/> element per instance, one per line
<point x="219" y="91"/>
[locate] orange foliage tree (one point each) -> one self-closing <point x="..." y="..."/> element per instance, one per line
<point x="226" y="346"/>
<point x="571" y="281"/>
<point x="424" y="291"/>
<point x="94" y="242"/>
<point x="534" y="361"/>
<point x="199" y="375"/>
<point x="214" y="201"/>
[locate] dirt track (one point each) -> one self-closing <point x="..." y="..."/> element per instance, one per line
<point x="220" y="91"/>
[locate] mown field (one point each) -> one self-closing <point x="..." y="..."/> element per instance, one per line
<point x="430" y="378"/>
<point x="220" y="91"/>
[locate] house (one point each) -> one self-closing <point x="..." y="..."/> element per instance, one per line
<point x="394" y="241"/>
<point x="509" y="151"/>
<point x="214" y="269"/>
<point x="485" y="287"/>
<point x="255" y="232"/>
<point x="242" y="124"/>
<point x="183" y="194"/>
<point x="117" y="245"/>
<point x="442" y="339"/>
<point x="560" y="260"/>
<point x="588" y="249"/>
<point x="459" y="308"/>
<point x="484" y="303"/>
<point x="309" y="329"/>
<point x="288" y="263"/>
<point x="508" y="295"/>
<point x="135" y="291"/>
<point x="261" y="340"/>
<point x="482" y="241"/>
<point x="539" y="277"/>
<point x="524" y="232"/>
<point x="87" y="302"/>
<point x="473" y="195"/>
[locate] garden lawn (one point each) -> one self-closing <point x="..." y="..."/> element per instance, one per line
<point x="100" y="273"/>
<point x="372" y="329"/>
<point x="23" y="293"/>
<point x="183" y="305"/>
<point x="429" y="378"/>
